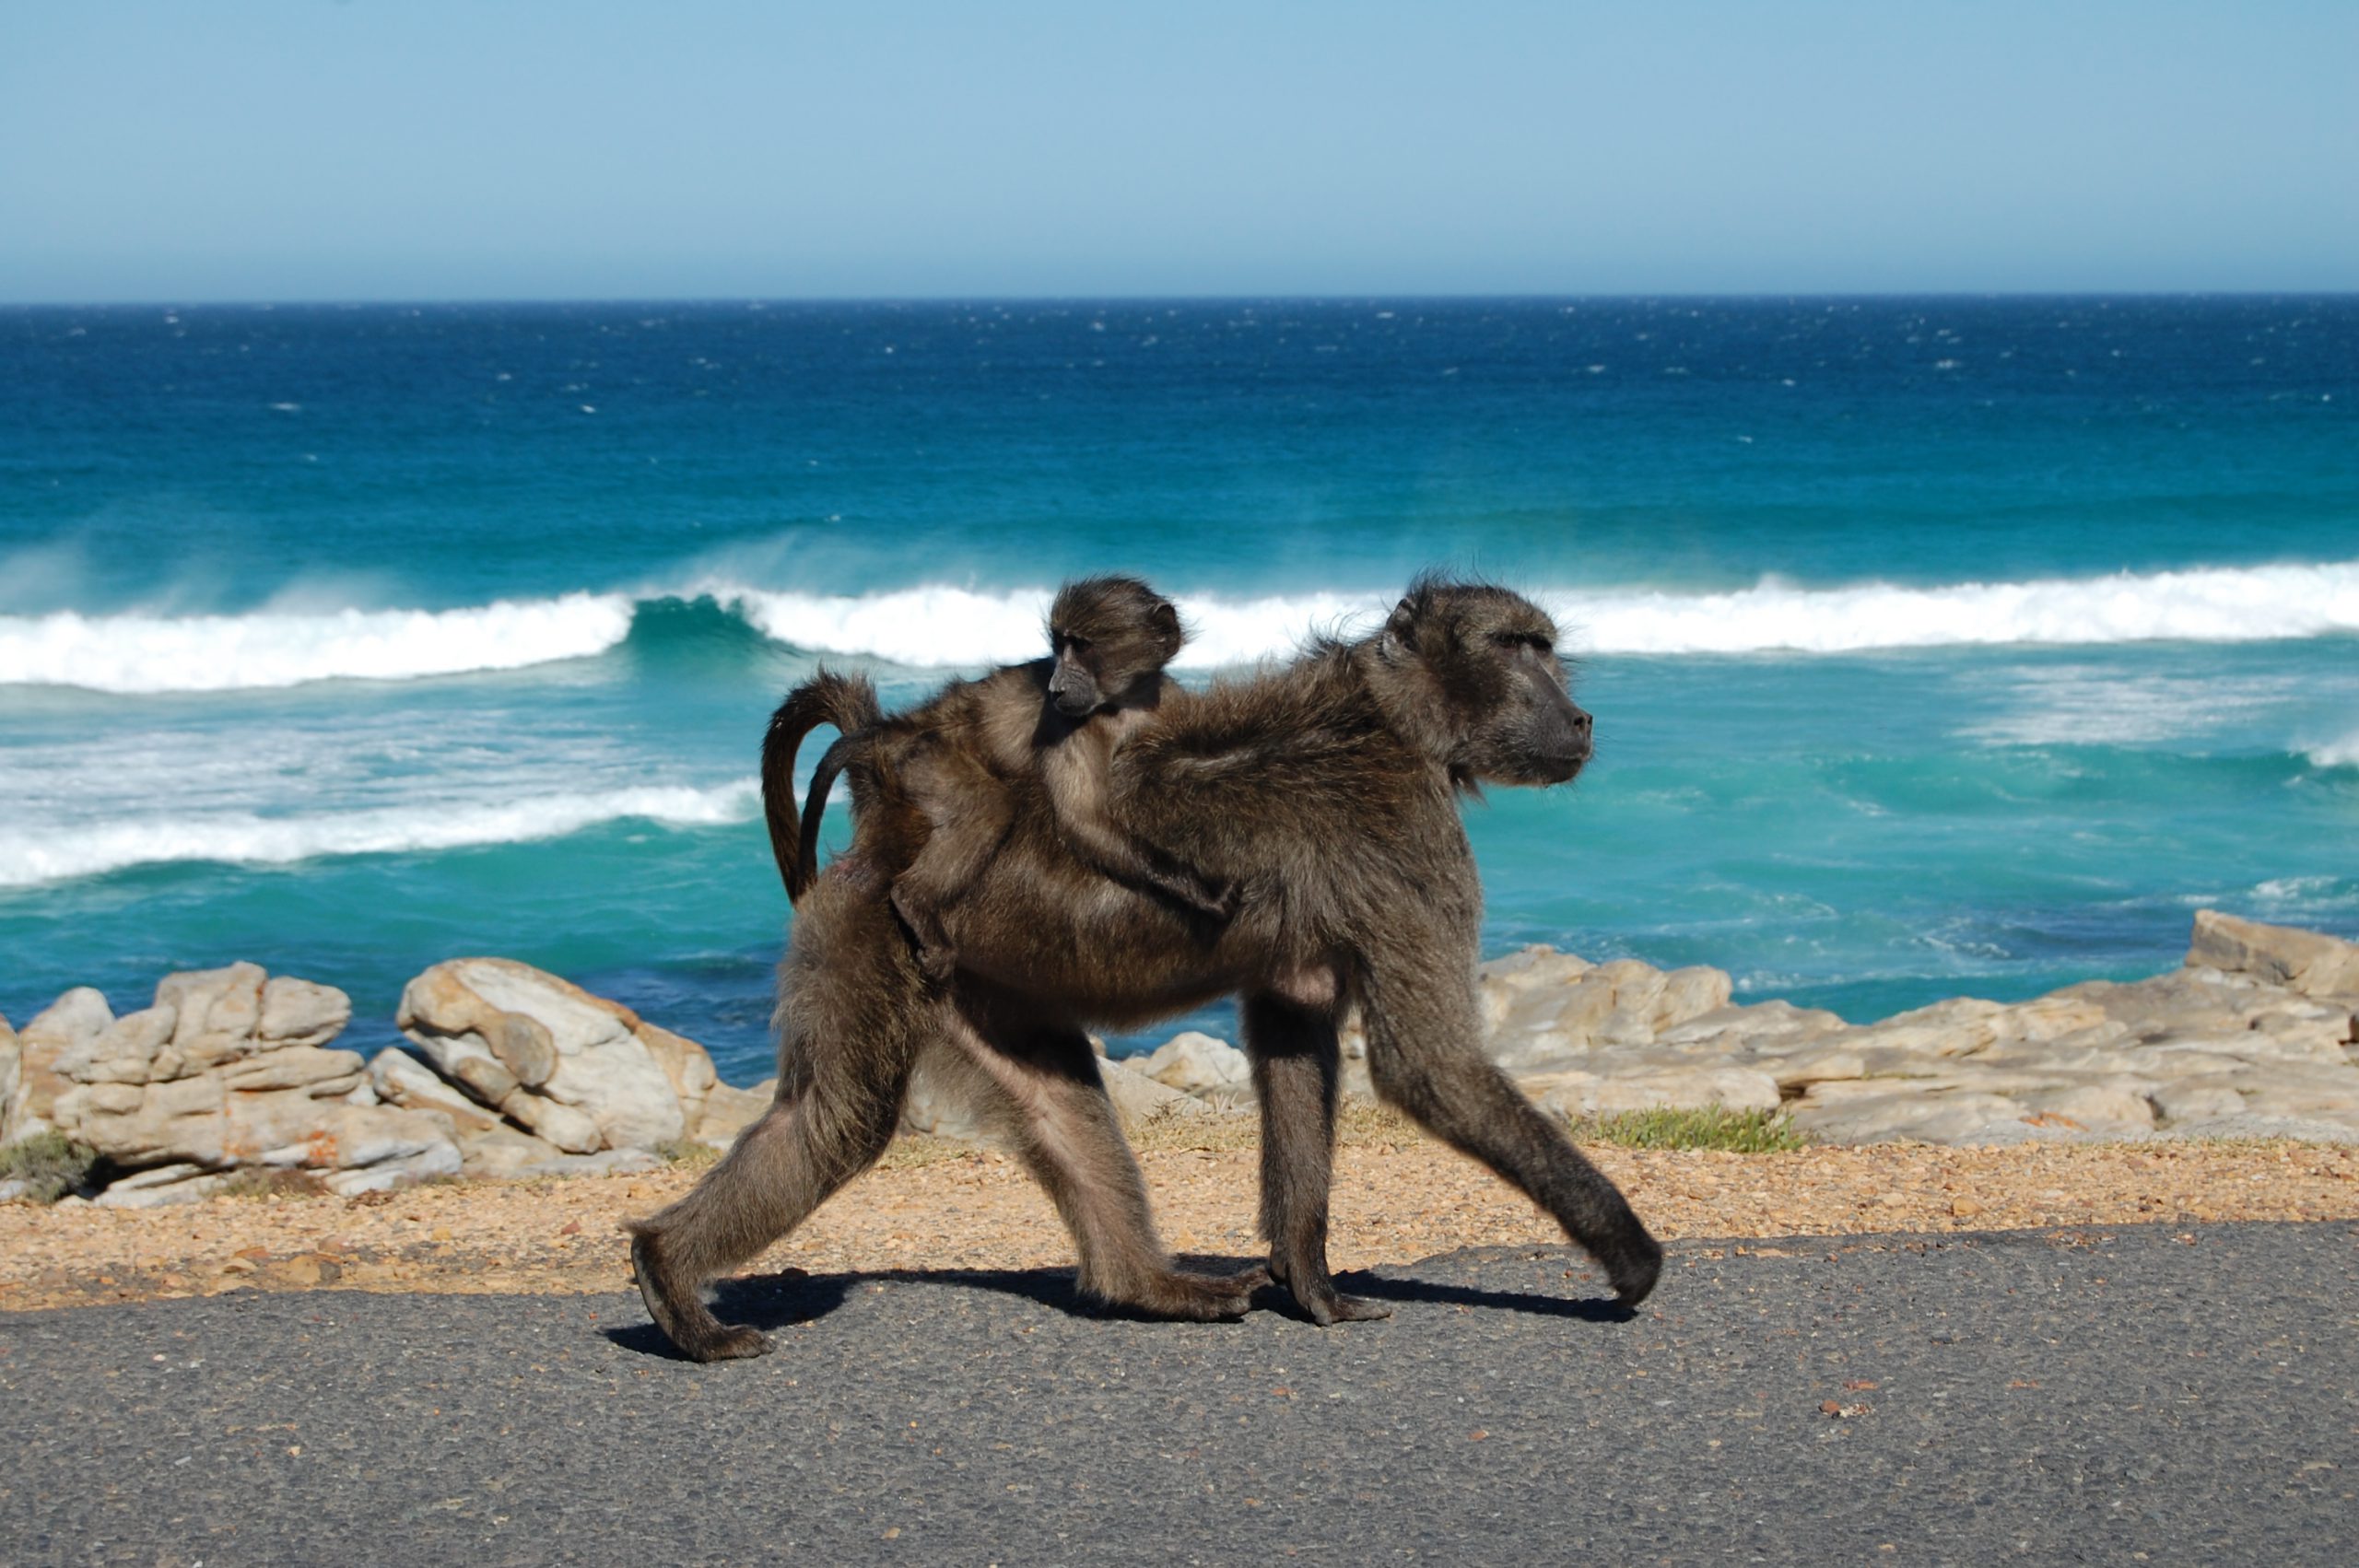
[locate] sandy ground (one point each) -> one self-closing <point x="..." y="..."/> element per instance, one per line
<point x="938" y="1206"/>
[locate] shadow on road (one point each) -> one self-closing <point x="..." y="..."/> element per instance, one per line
<point x="774" y="1301"/>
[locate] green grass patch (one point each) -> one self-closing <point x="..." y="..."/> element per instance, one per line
<point x="1714" y="1126"/>
<point x="686" y="1152"/>
<point x="262" y="1183"/>
<point x="49" y="1164"/>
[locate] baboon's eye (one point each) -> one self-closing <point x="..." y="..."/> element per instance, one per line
<point x="1532" y="640"/>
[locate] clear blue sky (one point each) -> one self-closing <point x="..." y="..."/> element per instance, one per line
<point x="410" y="150"/>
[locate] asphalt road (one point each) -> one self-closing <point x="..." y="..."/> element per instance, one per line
<point x="2131" y="1394"/>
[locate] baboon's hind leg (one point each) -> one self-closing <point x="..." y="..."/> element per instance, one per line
<point x="1040" y="1082"/>
<point x="781" y="1168"/>
<point x="1295" y="1061"/>
<point x="851" y="1014"/>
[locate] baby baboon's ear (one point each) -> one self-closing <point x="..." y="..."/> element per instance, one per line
<point x="1403" y="625"/>
<point x="1166" y="621"/>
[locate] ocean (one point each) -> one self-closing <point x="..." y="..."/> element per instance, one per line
<point x="1936" y="645"/>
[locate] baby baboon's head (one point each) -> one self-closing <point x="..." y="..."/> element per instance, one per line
<point x="1111" y="636"/>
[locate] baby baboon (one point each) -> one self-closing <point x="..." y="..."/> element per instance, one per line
<point x="1325" y="793"/>
<point x="941" y="772"/>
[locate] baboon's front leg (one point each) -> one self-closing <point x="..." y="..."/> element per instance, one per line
<point x="1040" y="1082"/>
<point x="1425" y="1055"/>
<point x="1296" y="1062"/>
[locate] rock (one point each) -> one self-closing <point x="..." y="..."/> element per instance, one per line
<point x="2196" y="1099"/>
<point x="502" y="1154"/>
<point x="1884" y="1115"/>
<point x="2094" y="1108"/>
<point x="1689" y="994"/>
<point x="1536" y="965"/>
<point x="439" y="1158"/>
<point x="296" y="1013"/>
<point x="1762" y="1026"/>
<point x="203" y="1121"/>
<point x="12" y="1072"/>
<point x="196" y="1087"/>
<point x="1138" y="1098"/>
<point x="688" y="1067"/>
<point x="402" y="1079"/>
<point x="2300" y="1129"/>
<point x="576" y="1070"/>
<point x="66" y="1030"/>
<point x="163" y="1185"/>
<point x="320" y="1074"/>
<point x="1194" y="1063"/>
<point x="499" y="1152"/>
<point x="1695" y="1088"/>
<point x="937" y="1105"/>
<point x="2303" y="961"/>
<point x="728" y="1112"/>
<point x="216" y="1013"/>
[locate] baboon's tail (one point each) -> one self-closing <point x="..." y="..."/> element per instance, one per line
<point x="815" y="806"/>
<point x="847" y="702"/>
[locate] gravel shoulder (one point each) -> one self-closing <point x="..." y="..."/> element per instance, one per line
<point x="937" y="1205"/>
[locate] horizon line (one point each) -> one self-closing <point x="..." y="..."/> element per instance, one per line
<point x="1500" y="296"/>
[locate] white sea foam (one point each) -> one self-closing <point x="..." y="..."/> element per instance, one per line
<point x="285" y="648"/>
<point x="2343" y="753"/>
<point x="2212" y="604"/>
<point x="243" y="838"/>
<point x="938" y="626"/>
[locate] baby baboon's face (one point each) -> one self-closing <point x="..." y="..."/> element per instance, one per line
<point x="1112" y="636"/>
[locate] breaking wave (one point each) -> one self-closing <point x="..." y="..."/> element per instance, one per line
<point x="941" y="627"/>
<point x="57" y="854"/>
<point x="277" y="648"/>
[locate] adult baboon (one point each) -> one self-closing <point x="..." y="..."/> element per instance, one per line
<point x="1325" y="793"/>
<point x="938" y="774"/>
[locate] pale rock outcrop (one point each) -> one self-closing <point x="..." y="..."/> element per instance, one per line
<point x="213" y="1077"/>
<point x="1138" y="1098"/>
<point x="12" y="1072"/>
<point x="2301" y="961"/>
<point x="728" y="1112"/>
<point x="576" y="1070"/>
<point x="2257" y="1029"/>
<point x="1195" y="1064"/>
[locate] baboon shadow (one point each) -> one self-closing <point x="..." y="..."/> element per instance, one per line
<point x="777" y="1301"/>
<point x="1586" y="1309"/>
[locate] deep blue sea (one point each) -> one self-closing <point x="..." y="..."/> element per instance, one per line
<point x="1936" y="645"/>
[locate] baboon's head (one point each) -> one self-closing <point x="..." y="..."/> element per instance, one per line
<point x="1472" y="671"/>
<point x="1112" y="636"/>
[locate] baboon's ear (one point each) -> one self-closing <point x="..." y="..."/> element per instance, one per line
<point x="1403" y="625"/>
<point x="1166" y="621"/>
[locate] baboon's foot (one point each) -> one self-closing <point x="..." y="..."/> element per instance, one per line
<point x="1314" y="1291"/>
<point x="1635" y="1273"/>
<point x="1196" y="1298"/>
<point x="677" y="1310"/>
<point x="736" y="1341"/>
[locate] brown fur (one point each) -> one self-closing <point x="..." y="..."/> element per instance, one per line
<point x="941" y="775"/>
<point x="1325" y="793"/>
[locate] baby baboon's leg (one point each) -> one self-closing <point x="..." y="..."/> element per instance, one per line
<point x="970" y="812"/>
<point x="1105" y="849"/>
<point x="1425" y="1053"/>
<point x="1039" y="1080"/>
<point x="1295" y="1066"/>
<point x="851" y="1020"/>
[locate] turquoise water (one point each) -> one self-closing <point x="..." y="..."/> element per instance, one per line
<point x="1936" y="645"/>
